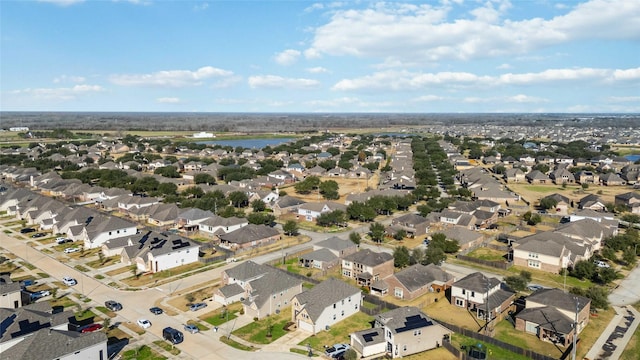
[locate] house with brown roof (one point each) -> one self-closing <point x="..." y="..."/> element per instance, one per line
<point x="413" y="224"/>
<point x="631" y="200"/>
<point x="367" y="267"/>
<point x="418" y="280"/>
<point x="249" y="236"/>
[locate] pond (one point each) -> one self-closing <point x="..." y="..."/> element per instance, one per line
<point x="249" y="143"/>
<point x="633" y="158"/>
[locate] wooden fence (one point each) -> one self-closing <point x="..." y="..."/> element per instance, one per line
<point x="495" y="264"/>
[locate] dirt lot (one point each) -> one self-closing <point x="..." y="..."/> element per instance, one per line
<point x="534" y="193"/>
<point x="345" y="187"/>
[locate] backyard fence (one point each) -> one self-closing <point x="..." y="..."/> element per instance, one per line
<point x="495" y="264"/>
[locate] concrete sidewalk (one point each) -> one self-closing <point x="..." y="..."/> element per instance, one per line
<point x="616" y="335"/>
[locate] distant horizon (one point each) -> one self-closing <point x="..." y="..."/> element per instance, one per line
<point x="316" y="113"/>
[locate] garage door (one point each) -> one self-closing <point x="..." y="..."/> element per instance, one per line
<point x="305" y="326"/>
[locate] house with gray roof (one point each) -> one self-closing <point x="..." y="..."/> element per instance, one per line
<point x="311" y="210"/>
<point x="270" y="293"/>
<point x="413" y="224"/>
<point x="10" y="293"/>
<point x="188" y="219"/>
<point x="249" y="236"/>
<point x="325" y="304"/>
<point x="398" y="333"/>
<point x="338" y="246"/>
<point x="467" y="239"/>
<point x="550" y="314"/>
<point x="367" y="267"/>
<point x="549" y="251"/>
<point x="480" y="294"/>
<point x="154" y="252"/>
<point x="285" y="204"/>
<point x="46" y="344"/>
<point x="417" y="280"/>
<point x="100" y="228"/>
<point x="218" y="225"/>
<point x="323" y="259"/>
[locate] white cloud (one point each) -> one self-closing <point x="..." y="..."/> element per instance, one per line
<point x="62" y="2"/>
<point x="170" y="78"/>
<point x="317" y="70"/>
<point x="405" y="80"/>
<point x="623" y="99"/>
<point x="169" y="100"/>
<point x="411" y="33"/>
<point x="62" y="94"/>
<point x="69" y="79"/>
<point x="520" y="98"/>
<point x="287" y="57"/>
<point x="201" y="6"/>
<point x="504" y="66"/>
<point x="279" y="82"/>
<point x="428" y="98"/>
<point x="332" y="103"/>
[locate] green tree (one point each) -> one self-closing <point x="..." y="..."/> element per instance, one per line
<point x="401" y="257"/>
<point x="433" y="255"/>
<point x="376" y="231"/>
<point x="204" y="178"/>
<point x="548" y="203"/>
<point x="355" y="238"/>
<point x="167" y="188"/>
<point x="606" y="275"/>
<point x="260" y="218"/>
<point x="516" y="282"/>
<point x="290" y="228"/>
<point x="584" y="269"/>
<point x="608" y="253"/>
<point x="400" y="234"/>
<point x="329" y="190"/>
<point x="525" y="275"/>
<point x="307" y="185"/>
<point x="258" y="205"/>
<point x="239" y="199"/>
<point x="629" y="256"/>
<point x="416" y="256"/>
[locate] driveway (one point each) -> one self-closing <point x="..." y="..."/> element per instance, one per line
<point x="628" y="292"/>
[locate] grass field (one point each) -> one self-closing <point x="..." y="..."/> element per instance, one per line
<point x="339" y="333"/>
<point x="257" y="331"/>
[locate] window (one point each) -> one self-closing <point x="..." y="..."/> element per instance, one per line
<point x="342" y="301"/>
<point x="398" y="293"/>
<point x="334" y="316"/>
<point x="334" y="306"/>
<point x="534" y="264"/>
<point x="342" y="313"/>
<point x="404" y="348"/>
<point x="417" y="332"/>
<point x="464" y="291"/>
<point x="460" y="302"/>
<point x="473" y="294"/>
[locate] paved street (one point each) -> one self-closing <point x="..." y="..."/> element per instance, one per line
<point x="628" y="292"/>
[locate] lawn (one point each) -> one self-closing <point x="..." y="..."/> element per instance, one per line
<point x="96" y="264"/>
<point x="141" y="353"/>
<point x="170" y="348"/>
<point x="106" y="311"/>
<point x="493" y="352"/>
<point x="507" y="333"/>
<point x="256" y="332"/>
<point x="219" y="317"/>
<point x="186" y="297"/>
<point x="435" y="354"/>
<point x="487" y="254"/>
<point x="119" y="271"/>
<point x="64" y="301"/>
<point x="146" y="279"/>
<point x="235" y="344"/>
<point x="339" y="333"/>
<point x="444" y="311"/>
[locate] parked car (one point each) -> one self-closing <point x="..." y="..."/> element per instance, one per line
<point x="113" y="305"/>
<point x="90" y="328"/>
<point x="172" y="335"/>
<point x="191" y="328"/>
<point x="27" y="230"/>
<point x="197" y="306"/>
<point x="62" y="240"/>
<point x="534" y="287"/>
<point x="71" y="250"/>
<point x="25" y="283"/>
<point x="601" y="264"/>
<point x="69" y="281"/>
<point x="156" y="310"/>
<point x="38" y="235"/>
<point x="144" y="323"/>
<point x="336" y="350"/>
<point x="39" y="294"/>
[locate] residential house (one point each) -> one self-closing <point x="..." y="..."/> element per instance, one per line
<point x="417" y="280"/>
<point x="514" y="175"/>
<point x="162" y="215"/>
<point x="10" y="293"/>
<point x="35" y="332"/>
<point x="285" y="204"/>
<point x="189" y="219"/>
<point x="218" y="225"/>
<point x="612" y="179"/>
<point x="550" y="314"/>
<point x="367" y="267"/>
<point x="249" y="236"/>
<point x="549" y="251"/>
<point x="457" y="218"/>
<point x="562" y="176"/>
<point x="413" y="224"/>
<point x="631" y="200"/>
<point x="322" y="259"/>
<point x="310" y="211"/>
<point x="156" y="252"/>
<point x="479" y="294"/>
<point x="338" y="246"/>
<point x="270" y="293"/>
<point x="400" y="332"/>
<point x="592" y="202"/>
<point x="587" y="177"/>
<point x="100" y="228"/>
<point x="325" y="304"/>
<point x="562" y="203"/>
<point x="537" y="177"/>
<point x="467" y="239"/>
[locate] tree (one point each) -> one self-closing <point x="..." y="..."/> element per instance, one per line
<point x="259" y="218"/>
<point x="238" y="199"/>
<point x="548" y="203"/>
<point x="307" y="185"/>
<point x="355" y="238"/>
<point x="606" y="275"/>
<point x="258" y="205"/>
<point x="416" y="256"/>
<point x="400" y="234"/>
<point x="531" y="219"/>
<point x="204" y="178"/>
<point x="516" y="282"/>
<point x="134" y="270"/>
<point x="584" y="269"/>
<point x="401" y="257"/>
<point x="376" y="230"/>
<point x="433" y="255"/>
<point x="290" y="228"/>
<point x="329" y="190"/>
<point x="167" y="188"/>
<point x="525" y="275"/>
<point x="439" y="240"/>
<point x="350" y="354"/>
<point x="101" y="257"/>
<point x="629" y="256"/>
<point x="608" y="253"/>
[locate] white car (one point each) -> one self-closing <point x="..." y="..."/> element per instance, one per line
<point x="69" y="281"/>
<point x="62" y="240"/>
<point x="71" y="250"/>
<point x="601" y="264"/>
<point x="144" y="323"/>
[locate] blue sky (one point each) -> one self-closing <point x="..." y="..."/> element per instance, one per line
<point x="304" y="56"/>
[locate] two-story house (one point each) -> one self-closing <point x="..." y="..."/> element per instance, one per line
<point x="481" y="295"/>
<point x="155" y="252"/>
<point x="325" y="304"/>
<point x="367" y="267"/>
<point x="311" y="210"/>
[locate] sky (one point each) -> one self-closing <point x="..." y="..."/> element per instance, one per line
<point x="448" y="56"/>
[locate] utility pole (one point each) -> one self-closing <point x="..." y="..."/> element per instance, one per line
<point x="575" y="331"/>
<point x="487" y="313"/>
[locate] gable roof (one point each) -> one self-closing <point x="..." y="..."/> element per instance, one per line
<point x="559" y="299"/>
<point x="477" y="282"/>
<point x="323" y="295"/>
<point x="249" y="233"/>
<point x="324" y="255"/>
<point x="462" y="235"/>
<point x="25" y="320"/>
<point x="274" y="281"/>
<point x="336" y="243"/>
<point x="369" y="258"/>
<point x="548" y="318"/>
<point x="48" y="344"/>
<point x="417" y="276"/>
<point x="247" y="270"/>
<point x="403" y="319"/>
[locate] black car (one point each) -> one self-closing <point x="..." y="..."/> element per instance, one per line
<point x="156" y="310"/>
<point x="27" y="230"/>
<point x="38" y="235"/>
<point x="113" y="305"/>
